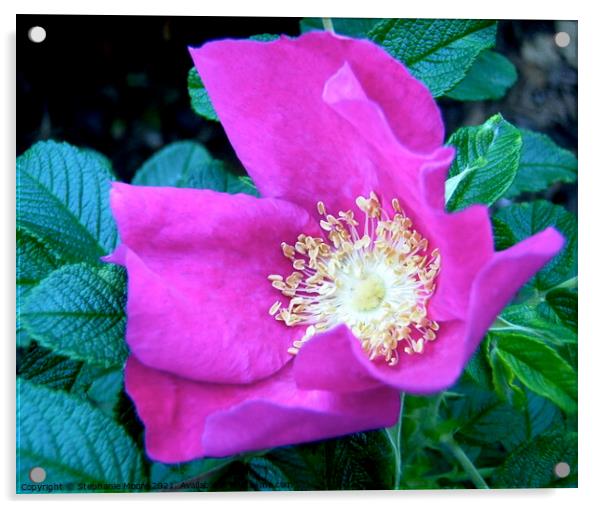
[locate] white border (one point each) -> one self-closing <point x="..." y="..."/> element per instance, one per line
<point x="590" y="250"/>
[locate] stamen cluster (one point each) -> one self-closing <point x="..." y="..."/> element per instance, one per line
<point x="377" y="283"/>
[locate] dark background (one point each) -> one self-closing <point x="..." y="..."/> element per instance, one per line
<point x="117" y="84"/>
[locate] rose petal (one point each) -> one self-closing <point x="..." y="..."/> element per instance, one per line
<point x="269" y="97"/>
<point x="328" y="362"/>
<point x="340" y="352"/>
<point x="185" y="420"/>
<point x="198" y="294"/>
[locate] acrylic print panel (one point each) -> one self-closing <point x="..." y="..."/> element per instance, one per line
<point x="295" y="254"/>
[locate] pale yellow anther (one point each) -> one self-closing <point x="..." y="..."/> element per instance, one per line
<point x="430" y="335"/>
<point x="325" y="225"/>
<point x="300" y="248"/>
<point x="287" y="250"/>
<point x="275" y="307"/>
<point x="321" y="208"/>
<point x="279" y="285"/>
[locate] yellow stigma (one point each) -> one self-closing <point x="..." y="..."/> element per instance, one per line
<point x="368" y="293"/>
<point x="378" y="282"/>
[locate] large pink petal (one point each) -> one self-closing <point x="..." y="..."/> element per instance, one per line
<point x="198" y="294"/>
<point x="276" y="108"/>
<point x="185" y="420"/>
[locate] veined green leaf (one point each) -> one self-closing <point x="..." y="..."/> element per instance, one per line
<point x="63" y="199"/>
<point x="353" y="27"/>
<point x="42" y="367"/>
<point x="99" y="386"/>
<point x="438" y="52"/>
<point x="485" y="165"/>
<point x="360" y="461"/>
<point x="484" y="420"/>
<point x="189" y="164"/>
<point x="560" y="305"/>
<point x="35" y="260"/>
<point x="489" y="78"/>
<point x="538" y="367"/>
<point x="190" y="476"/>
<point x="526" y="319"/>
<point x="542" y="163"/>
<point x="504" y="379"/>
<point x="199" y="99"/>
<point x="172" y="165"/>
<point x="532" y="465"/>
<point x="78" y="311"/>
<point x="519" y="221"/>
<point x="72" y="441"/>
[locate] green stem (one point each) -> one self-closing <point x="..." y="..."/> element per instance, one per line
<point x="467" y="465"/>
<point x="394" y="435"/>
<point x="328" y="26"/>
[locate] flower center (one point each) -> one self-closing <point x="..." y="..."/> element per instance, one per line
<point x="377" y="283"/>
<point x="367" y="293"/>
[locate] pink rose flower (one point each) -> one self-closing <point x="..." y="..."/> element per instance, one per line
<point x="260" y="322"/>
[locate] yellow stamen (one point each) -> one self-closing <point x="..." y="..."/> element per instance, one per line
<point x="378" y="282"/>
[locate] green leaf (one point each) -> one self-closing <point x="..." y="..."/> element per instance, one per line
<point x="78" y="311"/>
<point x="538" y="367"/>
<point x="199" y="99"/>
<point x="504" y="380"/>
<point x="360" y="461"/>
<point x="478" y="411"/>
<point x="478" y="369"/>
<point x="519" y="221"/>
<point x="489" y="78"/>
<point x="353" y="27"/>
<point x="189" y="164"/>
<point x="35" y="260"/>
<point x="190" y="476"/>
<point x="72" y="441"/>
<point x="485" y="420"/>
<point x="42" y="367"/>
<point x="438" y="52"/>
<point x="105" y="389"/>
<point x="485" y="165"/>
<point x="561" y="305"/>
<point x="253" y="474"/>
<point x="91" y="383"/>
<point x="526" y="319"/>
<point x="63" y="199"/>
<point x="264" y="37"/>
<point x="532" y="465"/>
<point x="172" y="165"/>
<point x="541" y="416"/>
<point x="542" y="163"/>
